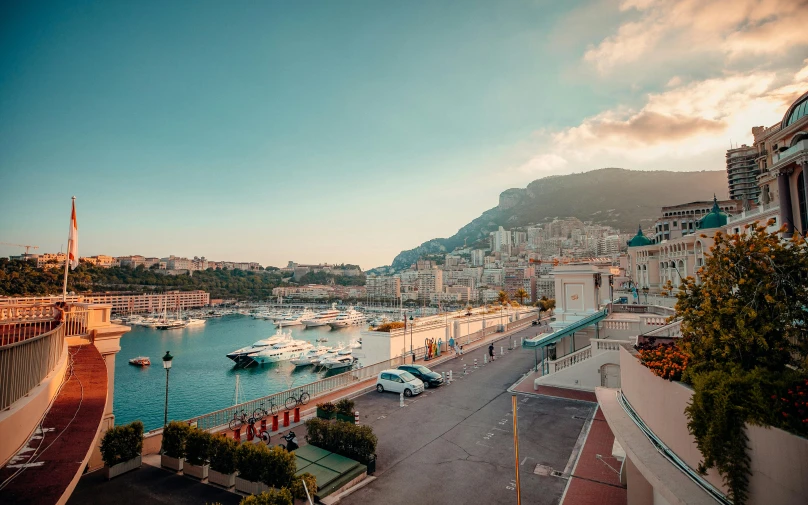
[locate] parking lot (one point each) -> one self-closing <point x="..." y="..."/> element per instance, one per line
<point x="454" y="444"/>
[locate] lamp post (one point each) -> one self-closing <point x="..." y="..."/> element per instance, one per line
<point x="468" y="327"/>
<point x="411" y="351"/>
<point x="167" y="365"/>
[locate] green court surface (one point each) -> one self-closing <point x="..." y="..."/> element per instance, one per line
<point x="331" y="470"/>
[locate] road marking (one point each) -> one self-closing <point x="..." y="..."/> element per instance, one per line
<point x="484" y="445"/>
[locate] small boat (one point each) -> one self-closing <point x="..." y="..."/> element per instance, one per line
<point x="322" y="339"/>
<point x="338" y="361"/>
<point x="140" y="361"/>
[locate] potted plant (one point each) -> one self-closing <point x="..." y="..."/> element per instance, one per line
<point x="173" y="447"/>
<point x="346" y="439"/>
<point x="197" y="454"/>
<point x="297" y="489"/>
<point x="121" y="448"/>
<point x="223" y="461"/>
<point x="251" y="462"/>
<point x="326" y="410"/>
<point x="279" y="469"/>
<point x="271" y="497"/>
<point x="345" y="411"/>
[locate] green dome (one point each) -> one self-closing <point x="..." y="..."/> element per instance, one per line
<point x="639" y="239"/>
<point x="715" y="219"/>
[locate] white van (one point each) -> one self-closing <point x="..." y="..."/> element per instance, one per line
<point x="399" y="381"/>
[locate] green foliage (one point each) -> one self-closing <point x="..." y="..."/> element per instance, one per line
<point x="346" y="439"/>
<point x="327" y="278"/>
<point x="223" y="454"/>
<point x="271" y="497"/>
<point x="197" y="447"/>
<point x="274" y="466"/>
<point x="743" y="329"/>
<point x="327" y="407"/>
<point x="503" y="298"/>
<point x="122" y="443"/>
<point x="389" y="326"/>
<point x="22" y="278"/>
<point x="174" y="436"/>
<point x="521" y="294"/>
<point x="297" y="485"/>
<point x="345" y="407"/>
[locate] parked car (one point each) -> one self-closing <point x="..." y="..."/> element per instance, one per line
<point x="428" y="377"/>
<point x="399" y="381"/>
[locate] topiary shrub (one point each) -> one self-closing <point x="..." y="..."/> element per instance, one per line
<point x="250" y="461"/>
<point x="297" y="485"/>
<point x="122" y="443"/>
<point x="279" y="467"/>
<point x="174" y="436"/>
<point x="346" y="439"/>
<point x="345" y="407"/>
<point x="223" y="454"/>
<point x="197" y="447"/>
<point x="271" y="497"/>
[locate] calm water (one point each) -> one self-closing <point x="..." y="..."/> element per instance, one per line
<point x="202" y="379"/>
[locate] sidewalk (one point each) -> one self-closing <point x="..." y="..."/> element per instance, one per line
<point x="526" y="386"/>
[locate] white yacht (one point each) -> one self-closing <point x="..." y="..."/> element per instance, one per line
<point x="296" y="319"/>
<point x="245" y="353"/>
<point x="330" y="354"/>
<point x="351" y="317"/>
<point x="322" y="318"/>
<point x="341" y="360"/>
<point x="192" y="321"/>
<point x="285" y="350"/>
<point x="310" y="356"/>
<point x="171" y="324"/>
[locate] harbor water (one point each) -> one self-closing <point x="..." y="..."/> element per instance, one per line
<point x="202" y="379"/>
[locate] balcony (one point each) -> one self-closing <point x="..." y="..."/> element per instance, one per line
<point x="790" y="154"/>
<point x="53" y="396"/>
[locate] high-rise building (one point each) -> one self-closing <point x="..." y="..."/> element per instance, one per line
<point x="742" y="173"/>
<point x="501" y="240"/>
<point x="381" y="287"/>
<point x="429" y="282"/>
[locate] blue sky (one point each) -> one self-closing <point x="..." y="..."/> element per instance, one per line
<point x="348" y="131"/>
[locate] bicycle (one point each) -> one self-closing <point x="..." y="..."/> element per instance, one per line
<point x="260" y="412"/>
<point x="293" y="401"/>
<point x="240" y="420"/>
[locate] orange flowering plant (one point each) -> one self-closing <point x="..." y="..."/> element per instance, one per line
<point x="664" y="360"/>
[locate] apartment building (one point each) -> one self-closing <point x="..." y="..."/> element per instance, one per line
<point x="429" y="282"/>
<point x="742" y="173"/>
<point x="381" y="287"/>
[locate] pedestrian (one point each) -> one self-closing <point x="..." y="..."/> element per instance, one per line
<point x="491" y="351"/>
<point x="460" y="352"/>
<point x="452" y="345"/>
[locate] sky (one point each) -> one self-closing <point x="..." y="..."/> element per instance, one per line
<point x="348" y="131"/>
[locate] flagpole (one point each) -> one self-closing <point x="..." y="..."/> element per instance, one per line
<point x="67" y="254"/>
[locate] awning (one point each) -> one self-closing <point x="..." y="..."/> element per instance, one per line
<point x="544" y="340"/>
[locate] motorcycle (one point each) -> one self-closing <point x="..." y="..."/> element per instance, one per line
<point x="291" y="441"/>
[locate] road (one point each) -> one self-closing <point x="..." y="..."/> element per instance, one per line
<point x="454" y="444"/>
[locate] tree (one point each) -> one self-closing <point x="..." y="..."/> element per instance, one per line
<point x="743" y="330"/>
<point x="503" y="297"/>
<point x="521" y="294"/>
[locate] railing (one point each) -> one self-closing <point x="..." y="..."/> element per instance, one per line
<point x="607" y="344"/>
<point x="571" y="359"/>
<point x="671" y="330"/>
<point x="25" y="363"/>
<point x="642" y="309"/>
<point x="220" y="418"/>
<point x="27" y="313"/>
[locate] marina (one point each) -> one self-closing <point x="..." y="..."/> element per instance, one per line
<point x="201" y="358"/>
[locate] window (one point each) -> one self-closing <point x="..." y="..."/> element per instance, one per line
<point x="675" y="224"/>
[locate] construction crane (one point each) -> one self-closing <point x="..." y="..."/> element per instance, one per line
<point x="27" y="247"/>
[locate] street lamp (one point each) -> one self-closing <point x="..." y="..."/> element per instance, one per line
<point x="411" y="329"/>
<point x="468" y="327"/>
<point x="167" y="365"/>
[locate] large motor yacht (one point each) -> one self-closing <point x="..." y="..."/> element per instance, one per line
<point x="296" y="319"/>
<point x="312" y="356"/>
<point x="245" y="353"/>
<point x="351" y="317"/>
<point x="284" y="350"/>
<point x="342" y="359"/>
<point x="322" y="318"/>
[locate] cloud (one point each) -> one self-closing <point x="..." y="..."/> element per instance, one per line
<point x="543" y="164"/>
<point x="671" y="29"/>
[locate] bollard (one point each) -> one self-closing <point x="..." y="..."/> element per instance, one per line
<point x="285" y="418"/>
<point x="275" y="422"/>
<point x="450" y="376"/>
<point x="263" y="425"/>
<point x="401" y="400"/>
<point x="523" y="342"/>
<point x="464" y="369"/>
<point x="297" y="415"/>
<point x="501" y="350"/>
<point x="443" y="374"/>
<point x="237" y="434"/>
<point x="485" y="359"/>
<point x="356" y="418"/>
<point x="251" y="433"/>
<point x="475" y="362"/>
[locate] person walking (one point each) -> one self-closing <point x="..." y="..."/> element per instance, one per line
<point x="491" y="351"/>
<point x="452" y="345"/>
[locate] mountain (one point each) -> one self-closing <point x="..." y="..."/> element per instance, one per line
<point x="611" y="196"/>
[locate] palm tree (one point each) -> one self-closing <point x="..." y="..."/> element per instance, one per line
<point x="521" y="294"/>
<point x="503" y="297"/>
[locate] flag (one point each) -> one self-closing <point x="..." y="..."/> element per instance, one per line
<point x="73" y="240"/>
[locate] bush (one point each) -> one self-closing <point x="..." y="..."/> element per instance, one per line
<point x="279" y="468"/>
<point x="388" y="327"/>
<point x="345" y="407"/>
<point x="665" y="360"/>
<point x="297" y="485"/>
<point x="223" y="454"/>
<point x="346" y="439"/>
<point x="274" y="467"/>
<point x="271" y="497"/>
<point x="197" y="447"/>
<point x="122" y="443"/>
<point x="174" y="436"/>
